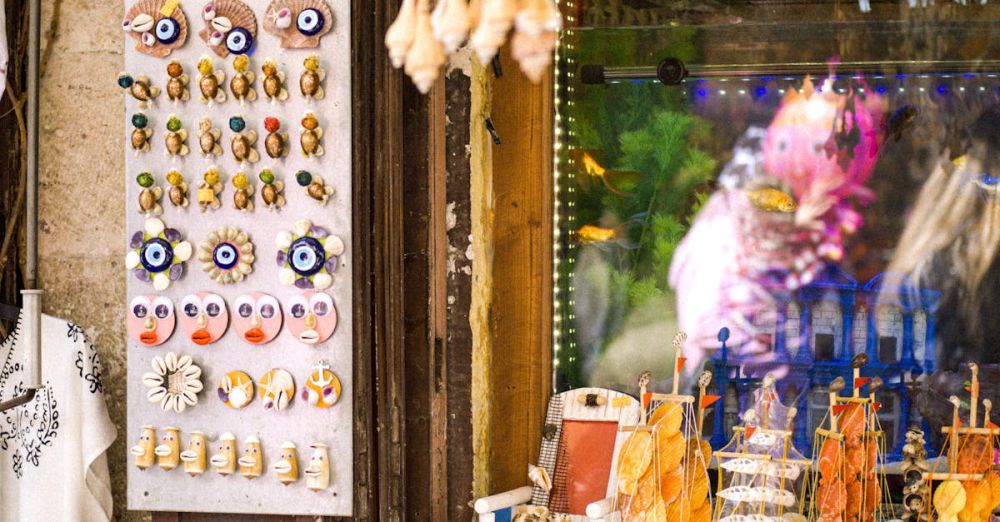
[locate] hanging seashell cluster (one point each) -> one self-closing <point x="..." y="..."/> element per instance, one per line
<point x="420" y="39"/>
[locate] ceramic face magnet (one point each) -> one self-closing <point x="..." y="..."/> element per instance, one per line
<point x="243" y="193"/>
<point x="140" y="133"/>
<point x="226" y="255"/>
<point x="177" y="83"/>
<point x="287" y="466"/>
<point x="258" y="317"/>
<point x="224" y="460"/>
<point x="194" y="456"/>
<point x="274" y="81"/>
<point x="140" y="89"/>
<point x="311" y="81"/>
<point x="143" y="451"/>
<point x="158" y="26"/>
<point x="208" y="138"/>
<point x="322" y="388"/>
<point x="298" y="23"/>
<point x="230" y="27"/>
<point x="314" y="185"/>
<point x="209" y="189"/>
<point x="311" y="135"/>
<point x="178" y="193"/>
<point x="243" y="142"/>
<point x="157" y="254"/>
<point x="318" y="471"/>
<point x="204" y="317"/>
<point x="150" y="319"/>
<point x="149" y="196"/>
<point x="236" y="389"/>
<point x="210" y="81"/>
<point x="168" y="453"/>
<point x="311" y="317"/>
<point x="252" y="461"/>
<point x="276" y="142"/>
<point x="276" y="389"/>
<point x="271" y="190"/>
<point x="242" y="83"/>
<point x="308" y="256"/>
<point x="174" y="382"/>
<point x="175" y="139"/>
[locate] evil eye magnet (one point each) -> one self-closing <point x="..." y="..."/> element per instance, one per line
<point x="168" y="31"/>
<point x="157" y="254"/>
<point x="298" y="23"/>
<point x="226" y="255"/>
<point x="158" y="26"/>
<point x="204" y="317"/>
<point x="230" y="27"/>
<point x="150" y="319"/>
<point x="308" y="256"/>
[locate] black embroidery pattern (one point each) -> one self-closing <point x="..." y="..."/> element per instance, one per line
<point x="88" y="365"/>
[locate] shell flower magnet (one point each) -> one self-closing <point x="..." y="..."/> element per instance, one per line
<point x="226" y="255"/>
<point x="204" y="317"/>
<point x="276" y="141"/>
<point x="243" y="141"/>
<point x="258" y="317"/>
<point x="252" y="461"/>
<point x="310" y="137"/>
<point x="276" y="389"/>
<point x="308" y="256"/>
<point x="195" y="456"/>
<point x="141" y="133"/>
<point x="208" y="138"/>
<point x="230" y="27"/>
<point x="143" y="450"/>
<point x="177" y="82"/>
<point x="242" y="83"/>
<point x="224" y="460"/>
<point x="174" y="382"/>
<point x="158" y="26"/>
<point x="243" y="195"/>
<point x="157" y="254"/>
<point x="150" y="319"/>
<point x="322" y="388"/>
<point x="168" y="453"/>
<point x="210" y="81"/>
<point x="236" y="389"/>
<point x="139" y="88"/>
<point x="178" y="193"/>
<point x="209" y="189"/>
<point x="298" y="23"/>
<point x="287" y="466"/>
<point x="318" y="471"/>
<point x="315" y="187"/>
<point x="311" y="81"/>
<point x="149" y="196"/>
<point x="271" y="191"/>
<point x="311" y="317"/>
<point x="175" y="140"/>
<point x="274" y="81"/>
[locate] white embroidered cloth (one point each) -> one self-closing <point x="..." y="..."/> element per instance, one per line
<point x="53" y="463"/>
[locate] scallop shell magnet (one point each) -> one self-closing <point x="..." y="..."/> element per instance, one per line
<point x="236" y="389"/>
<point x="274" y="81"/>
<point x="242" y="83"/>
<point x="276" y="141"/>
<point x="311" y="81"/>
<point x="175" y="139"/>
<point x="177" y="82"/>
<point x="210" y="81"/>
<point x="174" y="382"/>
<point x="157" y="26"/>
<point x="226" y="255"/>
<point x="271" y="190"/>
<point x="244" y="141"/>
<point x="149" y="195"/>
<point x="139" y="88"/>
<point x="311" y="136"/>
<point x="243" y="192"/>
<point x="178" y="193"/>
<point x="208" y="138"/>
<point x="141" y="133"/>
<point x="157" y="254"/>
<point x="276" y="389"/>
<point x="298" y="23"/>
<point x="230" y="27"/>
<point x="209" y="189"/>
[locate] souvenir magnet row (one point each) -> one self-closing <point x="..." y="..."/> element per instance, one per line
<point x="209" y="191"/>
<point x="311" y="317"/>
<point x="168" y="455"/>
<point x="276" y="388"/>
<point x="229" y="26"/>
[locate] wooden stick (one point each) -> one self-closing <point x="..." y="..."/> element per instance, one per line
<point x="987" y="406"/>
<point x="953" y="450"/>
<point x="833" y="416"/>
<point x="643" y="382"/>
<point x="974" y="405"/>
<point x="854" y="383"/>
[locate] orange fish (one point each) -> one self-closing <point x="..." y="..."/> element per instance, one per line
<point x="603" y="237"/>
<point x="588" y="164"/>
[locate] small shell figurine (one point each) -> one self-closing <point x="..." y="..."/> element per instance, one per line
<point x="243" y="197"/>
<point x="242" y="83"/>
<point x="252" y="461"/>
<point x="177" y="84"/>
<point x="210" y="81"/>
<point x="178" y="193"/>
<point x="311" y="135"/>
<point x="288" y="464"/>
<point x="175" y="140"/>
<point x="274" y="81"/>
<point x="314" y="185"/>
<point x="276" y="141"/>
<point x="149" y="196"/>
<point x="194" y="456"/>
<point x="140" y="133"/>
<point x="271" y="191"/>
<point x="168" y="453"/>
<point x="311" y="81"/>
<point x="243" y="141"/>
<point x="140" y="89"/>
<point x="209" y="189"/>
<point x="143" y="451"/>
<point x="318" y="471"/>
<point x="208" y="138"/>
<point x="224" y="460"/>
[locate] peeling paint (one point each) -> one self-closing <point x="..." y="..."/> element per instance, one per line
<point x="450" y="219"/>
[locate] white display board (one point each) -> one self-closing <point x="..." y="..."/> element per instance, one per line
<point x="300" y="423"/>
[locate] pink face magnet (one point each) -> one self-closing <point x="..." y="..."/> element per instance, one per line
<point x="258" y="317"/>
<point x="150" y="319"/>
<point x="311" y="317"/>
<point x="204" y="317"/>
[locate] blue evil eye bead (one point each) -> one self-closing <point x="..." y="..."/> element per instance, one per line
<point x="237" y="124"/>
<point x="125" y="81"/>
<point x="156" y="255"/>
<point x="306" y="256"/>
<point x="309" y="22"/>
<point x="225" y="256"/>
<point x="167" y="31"/>
<point x="239" y="40"/>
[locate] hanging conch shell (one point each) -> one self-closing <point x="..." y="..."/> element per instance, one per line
<point x="533" y="53"/>
<point x="399" y="37"/>
<point x="426" y="55"/>
<point x="281" y="18"/>
<point x="223" y="17"/>
<point x="450" y="21"/>
<point x="537" y="17"/>
<point x="141" y="23"/>
<point x="495" y="21"/>
<point x="539" y="476"/>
